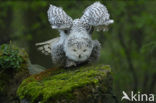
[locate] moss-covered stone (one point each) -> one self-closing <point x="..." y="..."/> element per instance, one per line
<point x="84" y="84"/>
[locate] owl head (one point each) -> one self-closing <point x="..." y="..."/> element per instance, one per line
<point x="78" y="49"/>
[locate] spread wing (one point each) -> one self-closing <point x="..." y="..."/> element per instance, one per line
<point x="58" y="18"/>
<point x="45" y="47"/>
<point x="97" y="15"/>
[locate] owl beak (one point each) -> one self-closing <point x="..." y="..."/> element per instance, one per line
<point x="79" y="56"/>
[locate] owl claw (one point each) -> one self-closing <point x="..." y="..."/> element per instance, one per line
<point x="70" y="64"/>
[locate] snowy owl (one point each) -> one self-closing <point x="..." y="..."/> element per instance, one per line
<point x="75" y="44"/>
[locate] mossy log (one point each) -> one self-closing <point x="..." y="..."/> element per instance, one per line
<point x="87" y="84"/>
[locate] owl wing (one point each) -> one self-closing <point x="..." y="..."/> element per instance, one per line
<point x="45" y="47"/>
<point x="58" y="18"/>
<point x="97" y="15"/>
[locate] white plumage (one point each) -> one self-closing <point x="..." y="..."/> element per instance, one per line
<point x="97" y="15"/>
<point x="75" y="45"/>
<point x="45" y="47"/>
<point x="58" y="18"/>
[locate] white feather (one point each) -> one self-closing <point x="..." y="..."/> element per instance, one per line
<point x="45" y="47"/>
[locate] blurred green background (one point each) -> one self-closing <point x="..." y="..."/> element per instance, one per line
<point x="129" y="46"/>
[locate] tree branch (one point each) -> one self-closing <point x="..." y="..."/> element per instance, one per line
<point x="129" y="60"/>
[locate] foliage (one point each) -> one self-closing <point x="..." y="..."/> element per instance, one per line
<point x="61" y="84"/>
<point x="10" y="57"/>
<point x="13" y="69"/>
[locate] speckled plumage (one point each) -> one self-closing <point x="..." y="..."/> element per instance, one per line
<point x="75" y="45"/>
<point x="58" y="18"/>
<point x="97" y="15"/>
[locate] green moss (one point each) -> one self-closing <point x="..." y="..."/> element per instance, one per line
<point x="61" y="83"/>
<point x="12" y="58"/>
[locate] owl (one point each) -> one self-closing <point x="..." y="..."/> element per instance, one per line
<point x="75" y="45"/>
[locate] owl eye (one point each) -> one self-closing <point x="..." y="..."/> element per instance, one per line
<point x="84" y="50"/>
<point x="74" y="50"/>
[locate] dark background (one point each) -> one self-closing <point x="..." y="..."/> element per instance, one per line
<point x="129" y="46"/>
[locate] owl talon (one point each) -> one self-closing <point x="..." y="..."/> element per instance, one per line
<point x="70" y="64"/>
